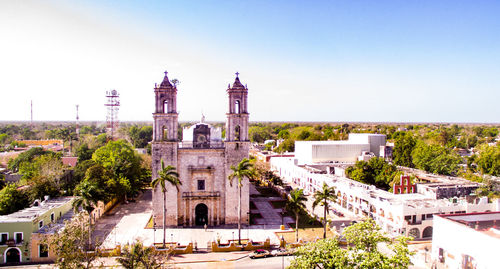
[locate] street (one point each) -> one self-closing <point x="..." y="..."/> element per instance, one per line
<point x="270" y="262"/>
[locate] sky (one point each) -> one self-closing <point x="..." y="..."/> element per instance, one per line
<point x="334" y="61"/>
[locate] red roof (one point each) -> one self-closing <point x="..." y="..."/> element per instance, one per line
<point x="71" y="161"/>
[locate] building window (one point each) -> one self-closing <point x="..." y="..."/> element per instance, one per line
<point x="3" y="238"/>
<point x="43" y="251"/>
<point x="40" y="224"/>
<point x="201" y="184"/>
<point x="18" y="237"/>
<point x="52" y="217"/>
<point x="237" y="107"/>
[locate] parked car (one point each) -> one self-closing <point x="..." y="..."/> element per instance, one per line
<point x="259" y="253"/>
<point x="281" y="252"/>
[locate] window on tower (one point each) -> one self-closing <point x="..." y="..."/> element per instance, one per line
<point x="237" y="107"/>
<point x="164" y="133"/>
<point x="165" y="107"/>
<point x="237" y="133"/>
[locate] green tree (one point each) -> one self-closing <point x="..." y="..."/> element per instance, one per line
<point x="12" y="199"/>
<point x="69" y="245"/>
<point x="322" y="197"/>
<point x="296" y="204"/>
<point x="259" y="134"/>
<point x="166" y="175"/>
<point x="49" y="166"/>
<point x="81" y="169"/>
<point x="40" y="186"/>
<point x="403" y="147"/>
<point x="83" y="152"/>
<point x="244" y="169"/>
<point x="375" y="172"/>
<point x="288" y="145"/>
<point x="27" y="156"/>
<point x="120" y="158"/>
<point x="363" y="240"/>
<point x="435" y="159"/>
<point x="284" y="134"/>
<point x="5" y="139"/>
<point x="140" y="137"/>
<point x="488" y="160"/>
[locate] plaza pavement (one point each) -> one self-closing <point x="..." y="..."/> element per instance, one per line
<point x="126" y="224"/>
<point x="271" y="217"/>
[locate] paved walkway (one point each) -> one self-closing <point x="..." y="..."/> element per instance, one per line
<point x="126" y="224"/>
<point x="271" y="217"/>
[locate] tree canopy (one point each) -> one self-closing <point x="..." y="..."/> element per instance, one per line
<point x="363" y="240"/>
<point x="12" y="199"/>
<point x="488" y="160"/>
<point x="435" y="159"/>
<point x="403" y="146"/>
<point x="124" y="164"/>
<point x="376" y="172"/>
<point x="28" y="156"/>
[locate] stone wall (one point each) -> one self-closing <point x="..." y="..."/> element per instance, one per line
<point x="235" y="152"/>
<point x="166" y="151"/>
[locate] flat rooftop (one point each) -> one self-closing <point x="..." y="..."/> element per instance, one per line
<point x="486" y="222"/>
<point x="50" y="229"/>
<point x="31" y="213"/>
<point x="333" y="142"/>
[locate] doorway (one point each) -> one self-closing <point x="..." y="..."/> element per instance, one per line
<point x="13" y="255"/>
<point x="201" y="215"/>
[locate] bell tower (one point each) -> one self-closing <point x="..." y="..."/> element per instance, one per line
<point x="165" y="116"/>
<point x="165" y="147"/>
<point x="237" y="118"/>
<point x="236" y="147"/>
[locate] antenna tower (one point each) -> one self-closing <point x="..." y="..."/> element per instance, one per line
<point x="77" y="124"/>
<point x="113" y="105"/>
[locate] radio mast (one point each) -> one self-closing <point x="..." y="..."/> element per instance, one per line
<point x="113" y="105"/>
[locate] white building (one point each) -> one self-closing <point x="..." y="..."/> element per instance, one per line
<point x="466" y="240"/>
<point x="309" y="152"/>
<point x="407" y="214"/>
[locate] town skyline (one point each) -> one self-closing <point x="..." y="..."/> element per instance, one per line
<point x="330" y="62"/>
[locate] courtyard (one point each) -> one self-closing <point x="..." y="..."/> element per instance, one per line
<point x="128" y="223"/>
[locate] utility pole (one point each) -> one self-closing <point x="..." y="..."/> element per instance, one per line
<point x="31" y="111"/>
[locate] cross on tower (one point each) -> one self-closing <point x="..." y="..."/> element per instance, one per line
<point x="237" y="74"/>
<point x="165" y="73"/>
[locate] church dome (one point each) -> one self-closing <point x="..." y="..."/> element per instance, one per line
<point x="201" y="132"/>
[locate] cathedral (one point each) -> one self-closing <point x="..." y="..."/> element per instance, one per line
<point x="202" y="159"/>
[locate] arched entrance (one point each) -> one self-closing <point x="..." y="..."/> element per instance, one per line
<point x="201" y="215"/>
<point x="415" y="233"/>
<point x="12" y="255"/>
<point x="427" y="233"/>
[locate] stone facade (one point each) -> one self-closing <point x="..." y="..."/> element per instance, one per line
<point x="202" y="161"/>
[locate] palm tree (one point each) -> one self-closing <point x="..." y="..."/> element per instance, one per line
<point x="242" y="170"/>
<point x="137" y="255"/>
<point x="296" y="203"/>
<point x="322" y="197"/>
<point x="166" y="174"/>
<point x="88" y="196"/>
